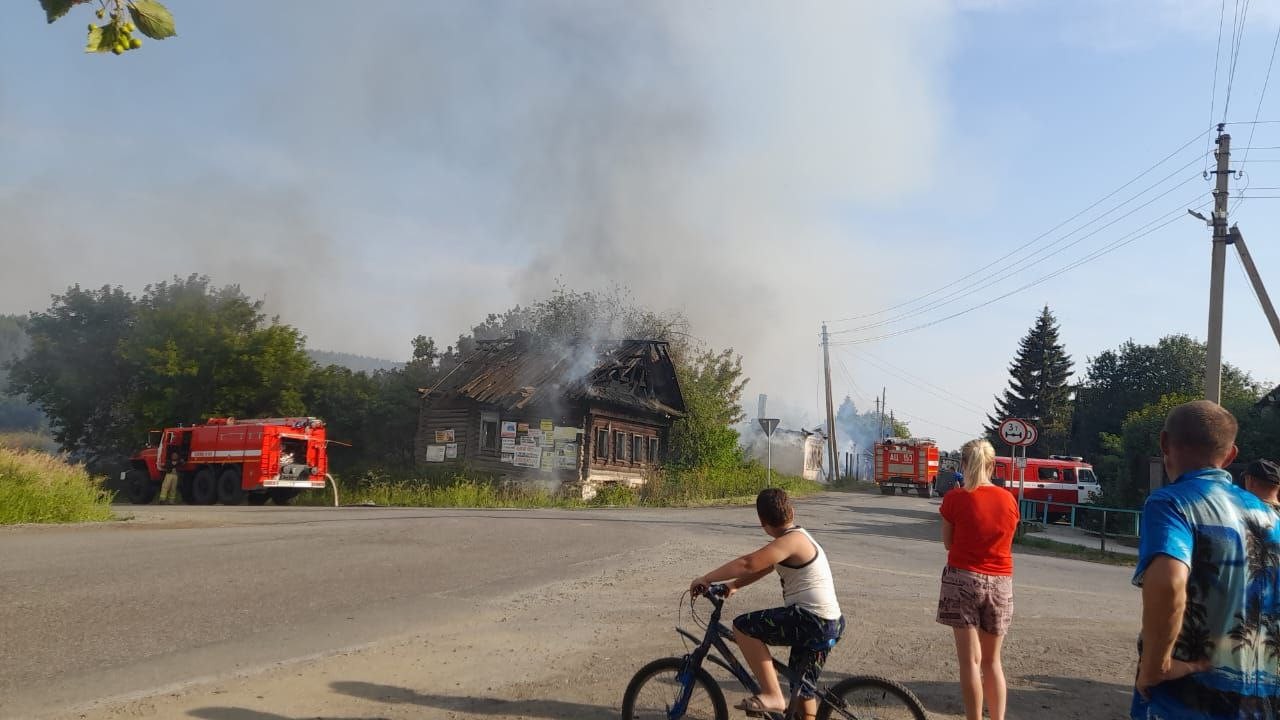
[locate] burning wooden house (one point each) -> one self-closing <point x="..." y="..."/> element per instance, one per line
<point x="795" y="452"/>
<point x="569" y="418"/>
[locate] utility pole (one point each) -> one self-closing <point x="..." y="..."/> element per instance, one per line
<point x="1213" y="365"/>
<point x="879" y="421"/>
<point x="833" y="454"/>
<point x="1237" y="239"/>
<point x="884" y="408"/>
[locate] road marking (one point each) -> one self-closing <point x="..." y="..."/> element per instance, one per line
<point x="934" y="576"/>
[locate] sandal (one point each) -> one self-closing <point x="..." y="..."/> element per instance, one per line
<point x="754" y="707"/>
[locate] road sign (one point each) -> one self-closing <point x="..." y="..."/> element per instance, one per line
<point x="1020" y="462"/>
<point x="768" y="425"/>
<point x="1032" y="434"/>
<point x="1013" y="431"/>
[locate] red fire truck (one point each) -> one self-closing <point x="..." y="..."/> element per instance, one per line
<point x="906" y="464"/>
<point x="229" y="461"/>
<point x="1061" y="478"/>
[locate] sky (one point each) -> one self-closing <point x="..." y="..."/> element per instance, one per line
<point x="760" y="167"/>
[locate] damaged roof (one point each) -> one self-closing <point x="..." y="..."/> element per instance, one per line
<point x="521" y="373"/>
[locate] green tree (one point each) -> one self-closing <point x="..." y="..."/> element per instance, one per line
<point x="15" y="413"/>
<point x="1132" y="377"/>
<point x="712" y="383"/>
<point x="75" y="372"/>
<point x="106" y="367"/>
<point x="1039" y="388"/>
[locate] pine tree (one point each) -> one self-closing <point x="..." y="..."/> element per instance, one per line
<point x="1039" y="389"/>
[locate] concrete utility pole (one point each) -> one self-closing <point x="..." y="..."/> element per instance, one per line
<point x="879" y="422"/>
<point x="1213" y="365"/>
<point x="884" y="408"/>
<point x="833" y="454"/>
<point x="1237" y="239"/>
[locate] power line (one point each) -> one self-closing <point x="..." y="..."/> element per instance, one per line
<point x="965" y="292"/>
<point x="1237" y="42"/>
<point x="849" y="376"/>
<point x="1261" y="96"/>
<point x="1039" y="237"/>
<point x="1213" y="94"/>
<point x="938" y="392"/>
<point x="1107" y="249"/>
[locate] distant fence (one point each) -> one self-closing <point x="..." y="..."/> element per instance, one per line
<point x="1113" y="522"/>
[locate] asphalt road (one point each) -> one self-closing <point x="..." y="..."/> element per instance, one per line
<point x="180" y="610"/>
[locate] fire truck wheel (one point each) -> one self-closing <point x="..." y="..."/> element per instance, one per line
<point x="258" y="499"/>
<point x="886" y="490"/>
<point x="230" y="491"/>
<point x="283" y="496"/>
<point x="204" y="488"/>
<point x="141" y="490"/>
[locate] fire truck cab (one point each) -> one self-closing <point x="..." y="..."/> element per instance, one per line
<point x="230" y="461"/>
<point x="1064" y="478"/>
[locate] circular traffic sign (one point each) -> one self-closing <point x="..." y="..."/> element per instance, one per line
<point x="1032" y="433"/>
<point x="1014" y="431"/>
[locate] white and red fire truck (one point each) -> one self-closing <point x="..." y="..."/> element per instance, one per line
<point x="1056" y="479"/>
<point x="230" y="461"/>
<point x="906" y="464"/>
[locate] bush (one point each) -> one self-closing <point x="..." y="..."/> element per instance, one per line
<point x="39" y="488"/>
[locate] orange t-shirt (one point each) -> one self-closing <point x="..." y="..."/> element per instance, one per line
<point x="984" y="522"/>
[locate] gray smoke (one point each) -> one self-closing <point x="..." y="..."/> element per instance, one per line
<point x="416" y="167"/>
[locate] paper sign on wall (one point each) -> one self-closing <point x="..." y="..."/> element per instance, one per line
<point x="508" y="458"/>
<point x="522" y="427"/>
<point x="535" y="436"/>
<point x="566" y="455"/>
<point x="444" y="436"/>
<point x="566" y="433"/>
<point x="548" y="426"/>
<point x="508" y="429"/>
<point x="508" y="445"/>
<point x="529" y="456"/>
<point x="451" y="451"/>
<point x="435" y="453"/>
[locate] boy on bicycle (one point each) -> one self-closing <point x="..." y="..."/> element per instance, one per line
<point x="809" y="622"/>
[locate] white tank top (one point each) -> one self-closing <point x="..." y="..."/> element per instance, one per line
<point x="810" y="586"/>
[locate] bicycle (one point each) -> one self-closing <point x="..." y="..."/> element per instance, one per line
<point x="679" y="687"/>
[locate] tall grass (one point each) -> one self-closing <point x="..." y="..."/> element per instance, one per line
<point x="672" y="488"/>
<point x="28" y="440"/>
<point x="37" y="487"/>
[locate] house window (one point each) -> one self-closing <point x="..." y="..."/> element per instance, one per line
<point x="620" y="447"/>
<point x="637" y="449"/>
<point x="489" y="431"/>
<point x="653" y="450"/>
<point x="602" y="444"/>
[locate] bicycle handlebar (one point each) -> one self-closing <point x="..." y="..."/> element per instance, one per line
<point x="715" y="592"/>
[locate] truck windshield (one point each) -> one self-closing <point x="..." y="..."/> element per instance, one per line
<point x="1087" y="476"/>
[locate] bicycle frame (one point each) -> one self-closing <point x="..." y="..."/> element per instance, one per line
<point x="715" y="638"/>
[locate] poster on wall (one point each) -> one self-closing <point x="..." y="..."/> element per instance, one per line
<point x="522" y="427"/>
<point x="548" y="462"/>
<point x="444" y="436"/>
<point x="563" y="432"/>
<point x="508" y="458"/>
<point x="528" y="456"/>
<point x="535" y="436"/>
<point x="526" y="440"/>
<point x="451" y="451"/>
<point x="548" y="426"/>
<point x="508" y="429"/>
<point x="566" y="455"/>
<point x="508" y="445"/>
<point x="435" y="453"/>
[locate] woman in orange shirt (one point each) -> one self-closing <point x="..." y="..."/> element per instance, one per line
<point x="978" y="523"/>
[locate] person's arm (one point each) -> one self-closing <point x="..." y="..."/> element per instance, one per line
<point x="948" y="532"/>
<point x="741" y="582"/>
<point x="1164" y="599"/>
<point x="756" y="564"/>
<point x="946" y="511"/>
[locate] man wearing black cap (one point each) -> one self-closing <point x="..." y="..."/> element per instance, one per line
<point x="1262" y="478"/>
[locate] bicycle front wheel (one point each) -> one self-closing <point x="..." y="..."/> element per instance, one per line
<point x="870" y="698"/>
<point x="654" y="691"/>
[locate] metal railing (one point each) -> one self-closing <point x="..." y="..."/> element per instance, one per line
<point x="1083" y="517"/>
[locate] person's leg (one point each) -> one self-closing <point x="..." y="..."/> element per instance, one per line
<point x="754" y="632"/>
<point x="167" y="487"/>
<point x="993" y="685"/>
<point x="969" y="656"/>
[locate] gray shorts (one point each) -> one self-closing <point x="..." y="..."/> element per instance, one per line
<point x="970" y="599"/>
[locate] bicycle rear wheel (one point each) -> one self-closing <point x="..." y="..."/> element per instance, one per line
<point x="654" y="690"/>
<point x="866" y="697"/>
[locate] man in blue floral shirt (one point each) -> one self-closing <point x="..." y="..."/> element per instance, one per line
<point x="1209" y="568"/>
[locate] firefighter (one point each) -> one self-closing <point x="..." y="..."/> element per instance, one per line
<point x="169" y="489"/>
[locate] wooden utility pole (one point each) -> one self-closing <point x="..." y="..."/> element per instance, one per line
<point x="833" y="454"/>
<point x="1213" y="364"/>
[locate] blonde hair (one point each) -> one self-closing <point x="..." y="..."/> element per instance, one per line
<point x="977" y="460"/>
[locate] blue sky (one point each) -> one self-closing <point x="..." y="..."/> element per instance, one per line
<point x="760" y="167"/>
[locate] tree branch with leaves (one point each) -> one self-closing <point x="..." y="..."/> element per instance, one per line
<point x="123" y="20"/>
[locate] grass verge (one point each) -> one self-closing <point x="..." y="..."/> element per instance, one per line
<point x="39" y="488"/>
<point x="1044" y="546"/>
<point x="672" y="488"/>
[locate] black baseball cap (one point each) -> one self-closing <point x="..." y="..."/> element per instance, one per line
<point x="1264" y="469"/>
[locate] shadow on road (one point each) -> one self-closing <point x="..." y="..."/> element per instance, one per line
<point x="230" y="713"/>
<point x="1061" y="698"/>
<point x="473" y="706"/>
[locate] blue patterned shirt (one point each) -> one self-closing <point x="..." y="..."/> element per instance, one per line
<point x="1231" y="541"/>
